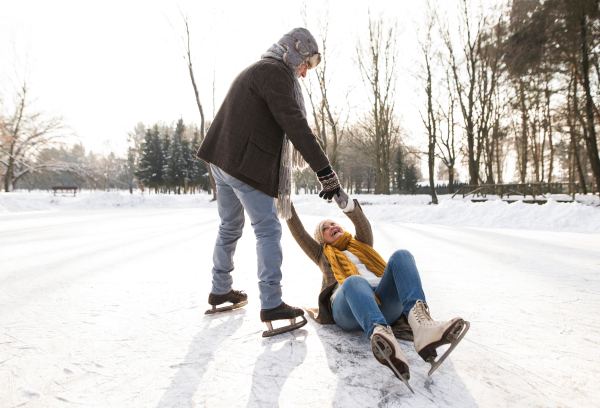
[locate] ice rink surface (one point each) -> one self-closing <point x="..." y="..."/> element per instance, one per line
<point x="106" y="308"/>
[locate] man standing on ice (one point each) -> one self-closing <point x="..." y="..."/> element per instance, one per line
<point x="249" y="148"/>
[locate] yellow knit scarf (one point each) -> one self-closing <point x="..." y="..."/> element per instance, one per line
<point x="343" y="267"/>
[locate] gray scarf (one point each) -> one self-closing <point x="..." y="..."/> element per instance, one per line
<point x="290" y="157"/>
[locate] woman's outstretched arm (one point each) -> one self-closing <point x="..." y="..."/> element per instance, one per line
<point x="353" y="210"/>
<point x="303" y="238"/>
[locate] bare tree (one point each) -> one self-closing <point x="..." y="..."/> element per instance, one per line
<point x="187" y="56"/>
<point x="24" y="134"/>
<point x="447" y="143"/>
<point x="126" y="170"/>
<point x="465" y="80"/>
<point x="499" y="142"/>
<point x="329" y="123"/>
<point x="491" y="69"/>
<point x="573" y="113"/>
<point x="431" y="118"/>
<point x="377" y="62"/>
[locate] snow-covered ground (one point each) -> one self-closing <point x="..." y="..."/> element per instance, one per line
<point x="104" y="306"/>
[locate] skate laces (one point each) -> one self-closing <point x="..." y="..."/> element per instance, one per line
<point x="422" y="312"/>
<point x="238" y="294"/>
<point x="386" y="329"/>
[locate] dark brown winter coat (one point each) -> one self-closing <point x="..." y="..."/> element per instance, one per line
<point x="315" y="252"/>
<point x="246" y="136"/>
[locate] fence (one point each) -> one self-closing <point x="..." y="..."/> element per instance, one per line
<point x="520" y="189"/>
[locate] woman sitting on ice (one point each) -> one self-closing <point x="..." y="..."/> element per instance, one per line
<point x="361" y="291"/>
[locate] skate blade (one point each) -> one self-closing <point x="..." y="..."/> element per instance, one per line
<point x="293" y="326"/>
<point x="393" y="367"/>
<point x="225" y="308"/>
<point x="453" y="344"/>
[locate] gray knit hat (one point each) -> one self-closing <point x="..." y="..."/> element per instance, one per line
<point x="300" y="47"/>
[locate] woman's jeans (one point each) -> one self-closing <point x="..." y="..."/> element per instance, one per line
<point x="355" y="307"/>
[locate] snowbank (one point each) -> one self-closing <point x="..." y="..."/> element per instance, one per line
<point x="41" y="201"/>
<point x="552" y="216"/>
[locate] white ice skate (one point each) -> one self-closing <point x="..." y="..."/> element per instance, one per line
<point x="387" y="351"/>
<point x="429" y="334"/>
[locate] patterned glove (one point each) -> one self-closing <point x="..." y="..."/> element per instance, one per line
<point x="329" y="183"/>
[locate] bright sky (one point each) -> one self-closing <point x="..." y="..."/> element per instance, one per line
<point x="105" y="66"/>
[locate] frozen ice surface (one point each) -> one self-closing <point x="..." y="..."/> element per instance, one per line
<point x="105" y="308"/>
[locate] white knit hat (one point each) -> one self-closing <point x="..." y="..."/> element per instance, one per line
<point x="319" y="232"/>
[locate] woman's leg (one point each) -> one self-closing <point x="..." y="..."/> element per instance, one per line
<point x="400" y="286"/>
<point x="354" y="306"/>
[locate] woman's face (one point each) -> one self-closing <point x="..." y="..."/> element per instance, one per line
<point x="332" y="232"/>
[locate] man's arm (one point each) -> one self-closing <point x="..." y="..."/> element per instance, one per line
<point x="278" y="92"/>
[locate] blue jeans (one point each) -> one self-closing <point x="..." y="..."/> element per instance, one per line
<point x="355" y="308"/>
<point x="233" y="197"/>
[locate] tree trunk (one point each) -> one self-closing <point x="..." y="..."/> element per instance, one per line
<point x="473" y="173"/>
<point x="202" y="125"/>
<point x="8" y="186"/>
<point x="578" y="165"/>
<point x="551" y="147"/>
<point x="431" y="127"/>
<point x="590" y="140"/>
<point x="431" y="165"/>
<point x="549" y="127"/>
<point x="524" y="148"/>
<point x="10" y="171"/>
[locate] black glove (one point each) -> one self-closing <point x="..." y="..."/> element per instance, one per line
<point x="329" y="183"/>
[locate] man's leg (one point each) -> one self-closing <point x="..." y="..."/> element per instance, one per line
<point x="355" y="307"/>
<point x="263" y="215"/>
<point x="231" y="213"/>
<point x="400" y="286"/>
<point x="267" y="228"/>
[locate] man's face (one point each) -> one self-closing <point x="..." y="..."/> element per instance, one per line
<point x="303" y="71"/>
<point x="332" y="232"/>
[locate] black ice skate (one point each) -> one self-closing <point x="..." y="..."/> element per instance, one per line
<point x="282" y="312"/>
<point x="237" y="297"/>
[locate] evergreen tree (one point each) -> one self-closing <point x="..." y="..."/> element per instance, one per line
<point x="199" y="173"/>
<point x="406" y="173"/>
<point x="166" y="148"/>
<point x="176" y="171"/>
<point x="151" y="163"/>
<point x="399" y="170"/>
<point x="190" y="167"/>
<point x="410" y="179"/>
